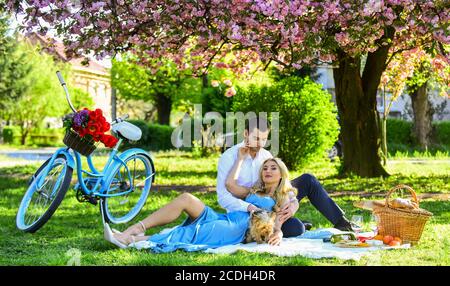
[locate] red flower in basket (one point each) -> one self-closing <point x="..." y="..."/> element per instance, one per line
<point x="108" y="140"/>
<point x="91" y="124"/>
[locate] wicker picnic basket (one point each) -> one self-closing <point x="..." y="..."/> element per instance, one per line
<point x="80" y="144"/>
<point x="408" y="224"/>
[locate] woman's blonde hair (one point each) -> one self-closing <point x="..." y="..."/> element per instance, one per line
<point x="281" y="193"/>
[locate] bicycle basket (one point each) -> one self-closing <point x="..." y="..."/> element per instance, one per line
<point x="80" y="144"/>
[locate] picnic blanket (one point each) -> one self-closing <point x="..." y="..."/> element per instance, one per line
<point x="310" y="245"/>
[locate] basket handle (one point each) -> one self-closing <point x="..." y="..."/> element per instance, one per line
<point x="399" y="187"/>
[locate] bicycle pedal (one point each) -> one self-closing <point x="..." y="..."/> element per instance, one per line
<point x="82" y="198"/>
<point x="92" y="200"/>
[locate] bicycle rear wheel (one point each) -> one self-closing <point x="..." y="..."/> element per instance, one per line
<point x="137" y="178"/>
<point x="39" y="204"/>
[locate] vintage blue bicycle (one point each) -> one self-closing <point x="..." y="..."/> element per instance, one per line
<point x="121" y="188"/>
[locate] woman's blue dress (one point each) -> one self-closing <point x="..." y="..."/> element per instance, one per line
<point x="209" y="230"/>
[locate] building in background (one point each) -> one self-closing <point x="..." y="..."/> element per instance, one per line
<point x="93" y="78"/>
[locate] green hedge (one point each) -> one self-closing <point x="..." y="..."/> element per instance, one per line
<point x="400" y="137"/>
<point x="11" y="135"/>
<point x="38" y="136"/>
<point x="399" y="132"/>
<point x="159" y="137"/>
<point x="46" y="137"/>
<point x="155" y="137"/>
<point x="442" y="132"/>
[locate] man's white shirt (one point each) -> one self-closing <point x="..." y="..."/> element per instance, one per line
<point x="248" y="176"/>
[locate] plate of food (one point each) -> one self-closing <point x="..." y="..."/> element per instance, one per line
<point x="351" y="244"/>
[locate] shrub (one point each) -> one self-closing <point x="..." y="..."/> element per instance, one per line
<point x="11" y="134"/>
<point x="46" y="137"/>
<point x="399" y="131"/>
<point x="159" y="137"/>
<point x="143" y="141"/>
<point x="307" y="126"/>
<point x="155" y="137"/>
<point x="442" y="132"/>
<point x="400" y="137"/>
<point x="38" y="136"/>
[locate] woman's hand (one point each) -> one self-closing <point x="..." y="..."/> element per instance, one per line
<point x="276" y="237"/>
<point x="252" y="208"/>
<point x="243" y="152"/>
<point x="286" y="212"/>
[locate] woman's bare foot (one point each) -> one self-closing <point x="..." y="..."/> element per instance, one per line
<point x="123" y="238"/>
<point x="136" y="229"/>
<point x="128" y="239"/>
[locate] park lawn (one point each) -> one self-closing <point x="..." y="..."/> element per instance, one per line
<point x="78" y="226"/>
<point x="425" y="175"/>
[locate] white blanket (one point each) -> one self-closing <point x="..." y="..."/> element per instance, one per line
<point x="311" y="248"/>
<point x="308" y="245"/>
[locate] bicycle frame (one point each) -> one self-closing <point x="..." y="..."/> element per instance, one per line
<point x="93" y="185"/>
<point x="99" y="189"/>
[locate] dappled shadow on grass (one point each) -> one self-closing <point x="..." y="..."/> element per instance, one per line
<point x="19" y="170"/>
<point x="171" y="155"/>
<point x="440" y="210"/>
<point x="76" y="225"/>
<point x="185" y="174"/>
<point x="49" y="245"/>
<point x="204" y="175"/>
<point x="433" y="183"/>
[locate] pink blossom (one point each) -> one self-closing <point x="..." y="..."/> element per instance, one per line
<point x="227" y="82"/>
<point x="214" y="83"/>
<point x="275" y="29"/>
<point x="97" y="5"/>
<point x="342" y="38"/>
<point x="230" y="92"/>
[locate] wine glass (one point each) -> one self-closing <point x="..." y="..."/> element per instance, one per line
<point x="358" y="220"/>
<point x="373" y="224"/>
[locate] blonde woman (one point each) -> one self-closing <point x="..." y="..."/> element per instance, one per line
<point x="273" y="182"/>
<point x="205" y="228"/>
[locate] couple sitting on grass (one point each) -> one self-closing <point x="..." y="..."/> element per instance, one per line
<point x="249" y="179"/>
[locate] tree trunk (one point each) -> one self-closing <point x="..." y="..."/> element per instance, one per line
<point x="423" y="115"/>
<point x="163" y="104"/>
<point x="23" y="134"/>
<point x="205" y="81"/>
<point x="359" y="118"/>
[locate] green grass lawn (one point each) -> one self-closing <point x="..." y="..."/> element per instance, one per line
<point x="78" y="226"/>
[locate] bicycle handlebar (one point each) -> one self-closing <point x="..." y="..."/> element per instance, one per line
<point x="61" y="80"/>
<point x="120" y="119"/>
<point x="63" y="84"/>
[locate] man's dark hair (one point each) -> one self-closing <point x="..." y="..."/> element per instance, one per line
<point x="258" y="121"/>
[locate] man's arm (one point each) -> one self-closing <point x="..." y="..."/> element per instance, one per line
<point x="225" y="198"/>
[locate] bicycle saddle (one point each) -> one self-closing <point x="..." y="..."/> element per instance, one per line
<point x="127" y="130"/>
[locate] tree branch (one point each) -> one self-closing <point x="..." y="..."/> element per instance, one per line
<point x="211" y="59"/>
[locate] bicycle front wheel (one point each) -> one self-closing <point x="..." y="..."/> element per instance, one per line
<point x="39" y="203"/>
<point x="135" y="176"/>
